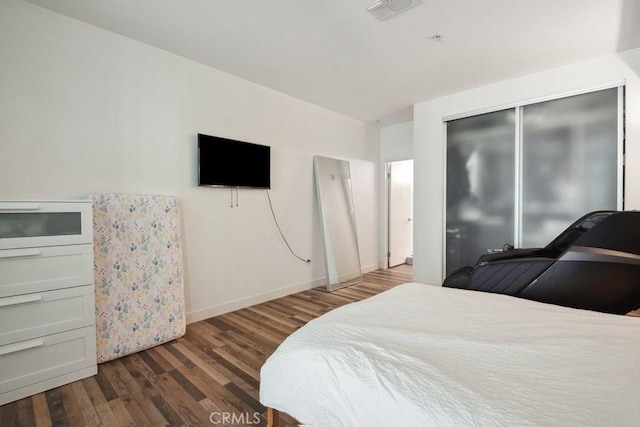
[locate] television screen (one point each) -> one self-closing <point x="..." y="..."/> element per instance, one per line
<point x="229" y="163"/>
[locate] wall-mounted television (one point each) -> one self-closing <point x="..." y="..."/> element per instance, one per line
<point x="226" y="162"/>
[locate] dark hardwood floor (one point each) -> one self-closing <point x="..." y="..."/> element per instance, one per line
<point x="210" y="376"/>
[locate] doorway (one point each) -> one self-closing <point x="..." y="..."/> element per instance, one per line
<point x="399" y="212"/>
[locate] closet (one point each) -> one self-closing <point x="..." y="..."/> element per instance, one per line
<point x="520" y="175"/>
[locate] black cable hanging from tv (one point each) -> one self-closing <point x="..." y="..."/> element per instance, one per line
<point x="281" y="234"/>
<point x="237" y="195"/>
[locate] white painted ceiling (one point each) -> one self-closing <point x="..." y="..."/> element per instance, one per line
<point x="335" y="54"/>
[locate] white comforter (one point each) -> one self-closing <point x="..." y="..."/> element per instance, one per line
<point x="420" y="355"/>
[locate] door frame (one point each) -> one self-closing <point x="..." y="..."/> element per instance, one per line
<point x="387" y="193"/>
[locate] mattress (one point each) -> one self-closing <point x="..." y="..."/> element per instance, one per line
<point x="138" y="272"/>
<point x="420" y="355"/>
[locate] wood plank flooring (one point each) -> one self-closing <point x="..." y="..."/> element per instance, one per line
<point x="195" y="380"/>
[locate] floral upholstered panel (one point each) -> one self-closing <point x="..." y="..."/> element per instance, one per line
<point x="138" y="272"/>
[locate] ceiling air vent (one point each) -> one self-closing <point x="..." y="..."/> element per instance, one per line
<point x="385" y="9"/>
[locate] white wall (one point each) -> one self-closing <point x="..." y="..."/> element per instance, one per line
<point x="396" y="142"/>
<point x="83" y="110"/>
<point x="429" y="142"/>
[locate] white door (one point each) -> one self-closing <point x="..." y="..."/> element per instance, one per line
<point x="400" y="211"/>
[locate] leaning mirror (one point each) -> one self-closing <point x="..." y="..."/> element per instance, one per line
<point x="335" y="201"/>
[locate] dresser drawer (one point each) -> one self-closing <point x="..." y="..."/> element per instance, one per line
<point x="26" y="224"/>
<point x="24" y="271"/>
<point x="44" y="313"/>
<point x="32" y="361"/>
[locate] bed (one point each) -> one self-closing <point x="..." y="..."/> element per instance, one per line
<point x="419" y="355"/>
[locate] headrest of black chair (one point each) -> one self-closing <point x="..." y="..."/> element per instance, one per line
<point x="619" y="231"/>
<point x="575" y="231"/>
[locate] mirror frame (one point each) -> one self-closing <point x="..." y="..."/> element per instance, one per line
<point x="337" y="279"/>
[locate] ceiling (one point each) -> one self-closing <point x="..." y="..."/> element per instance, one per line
<point x="335" y="54"/>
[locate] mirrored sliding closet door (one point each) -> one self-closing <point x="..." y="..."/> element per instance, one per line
<point x="521" y="175"/>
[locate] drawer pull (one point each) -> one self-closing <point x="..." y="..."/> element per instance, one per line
<point x="23" y="299"/>
<point x="19" y="253"/>
<point x="14" y="348"/>
<point x="19" y="206"/>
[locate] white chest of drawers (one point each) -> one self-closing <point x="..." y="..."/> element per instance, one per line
<point x="47" y="309"/>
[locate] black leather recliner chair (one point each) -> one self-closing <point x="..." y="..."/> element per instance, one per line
<point x="594" y="264"/>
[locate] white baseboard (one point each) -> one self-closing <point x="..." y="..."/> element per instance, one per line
<point x="426" y="282"/>
<point x="216" y="310"/>
<point x="369" y="268"/>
